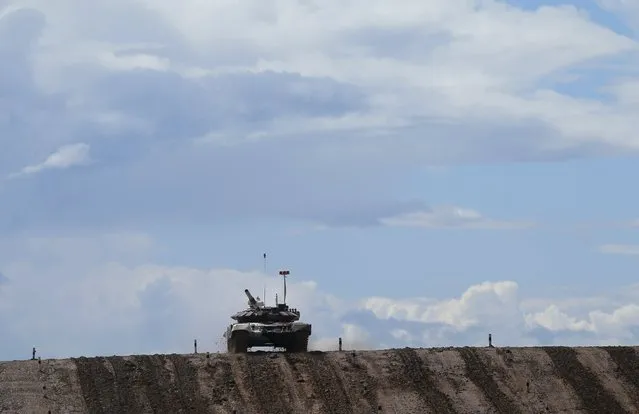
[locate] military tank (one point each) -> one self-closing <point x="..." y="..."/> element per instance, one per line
<point x="264" y="326"/>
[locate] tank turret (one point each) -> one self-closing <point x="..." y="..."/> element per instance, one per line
<point x="257" y="312"/>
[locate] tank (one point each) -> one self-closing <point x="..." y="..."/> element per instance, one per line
<point x="263" y="326"/>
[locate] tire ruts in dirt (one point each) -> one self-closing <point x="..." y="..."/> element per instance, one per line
<point x="4" y="402"/>
<point x="188" y="386"/>
<point x="225" y="387"/>
<point x="266" y="385"/>
<point x="99" y="387"/>
<point x="125" y="378"/>
<point x="483" y="379"/>
<point x="369" y="384"/>
<point x="627" y="361"/>
<point x="594" y="397"/>
<point x="3" y="395"/>
<point x="163" y="394"/>
<point x="108" y="393"/>
<point x="422" y="381"/>
<point x="327" y="385"/>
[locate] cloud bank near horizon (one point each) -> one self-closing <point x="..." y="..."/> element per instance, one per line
<point x="123" y="304"/>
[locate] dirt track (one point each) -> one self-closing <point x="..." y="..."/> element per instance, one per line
<point x="450" y="380"/>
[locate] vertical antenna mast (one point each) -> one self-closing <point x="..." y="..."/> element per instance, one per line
<point x="264" y="292"/>
<point x="284" y="273"/>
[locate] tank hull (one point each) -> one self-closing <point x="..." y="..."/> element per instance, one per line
<point x="292" y="335"/>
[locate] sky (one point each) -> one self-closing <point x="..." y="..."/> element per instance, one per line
<point x="428" y="171"/>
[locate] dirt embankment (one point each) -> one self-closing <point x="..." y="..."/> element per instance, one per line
<point x="450" y="380"/>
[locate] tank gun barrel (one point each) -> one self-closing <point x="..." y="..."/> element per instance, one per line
<point x="250" y="297"/>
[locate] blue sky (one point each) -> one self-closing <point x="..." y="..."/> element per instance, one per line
<point x="428" y="171"/>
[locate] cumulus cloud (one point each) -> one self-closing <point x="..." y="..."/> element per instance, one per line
<point x="497" y="307"/>
<point x="489" y="307"/>
<point x="487" y="298"/>
<point x="609" y="327"/>
<point x="108" y="297"/>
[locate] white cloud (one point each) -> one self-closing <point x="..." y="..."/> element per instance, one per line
<point x="112" y="303"/>
<point x="65" y="157"/>
<point x="615" y="325"/>
<point x="472" y="59"/>
<point x="478" y="304"/>
<point x="450" y="217"/>
<point x="495" y="307"/>
<point x="626" y="249"/>
<point x="333" y="102"/>
<point x="553" y="319"/>
<point x="418" y="215"/>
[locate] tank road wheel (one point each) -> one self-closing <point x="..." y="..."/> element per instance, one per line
<point x="300" y="343"/>
<point x="238" y="343"/>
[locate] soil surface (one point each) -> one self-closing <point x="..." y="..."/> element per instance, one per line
<point x="433" y="380"/>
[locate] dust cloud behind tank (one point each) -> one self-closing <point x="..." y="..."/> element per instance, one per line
<point x="267" y="326"/>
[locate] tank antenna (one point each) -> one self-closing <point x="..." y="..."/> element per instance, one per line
<point x="264" y="291"/>
<point x="264" y="263"/>
<point x="284" y="273"/>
